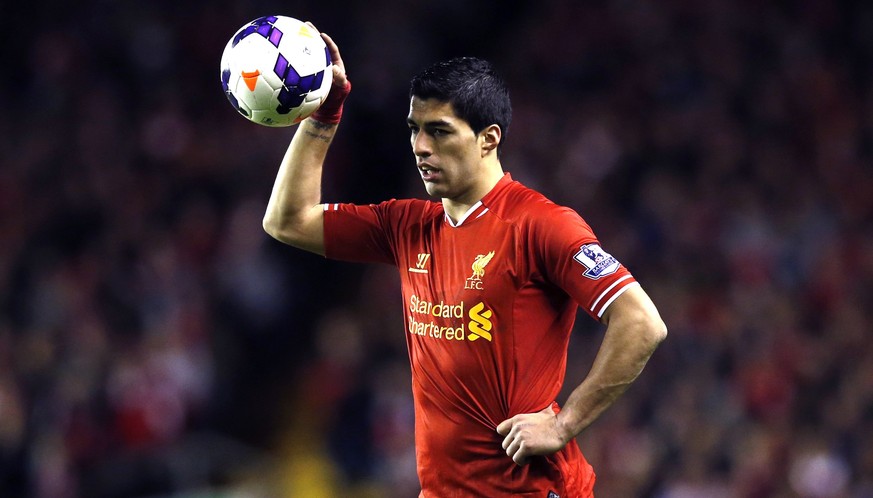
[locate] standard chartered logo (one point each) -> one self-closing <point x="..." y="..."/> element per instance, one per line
<point x="446" y="321"/>
<point x="480" y="323"/>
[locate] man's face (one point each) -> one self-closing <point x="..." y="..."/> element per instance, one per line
<point x="446" y="150"/>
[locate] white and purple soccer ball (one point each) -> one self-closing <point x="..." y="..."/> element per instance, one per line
<point x="276" y="71"/>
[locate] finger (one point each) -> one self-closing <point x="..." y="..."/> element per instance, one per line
<point x="520" y="454"/>
<point x="331" y="45"/>
<point x="508" y="440"/>
<point x="511" y="434"/>
<point x="339" y="76"/>
<point x="504" y="427"/>
<point x="512" y="447"/>
<point x="334" y="51"/>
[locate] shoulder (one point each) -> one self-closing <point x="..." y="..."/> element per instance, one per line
<point x="415" y="207"/>
<point x="511" y="200"/>
<point x="408" y="211"/>
<point x="392" y="210"/>
<point x="523" y="205"/>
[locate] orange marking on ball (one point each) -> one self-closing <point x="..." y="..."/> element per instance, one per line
<point x="251" y="79"/>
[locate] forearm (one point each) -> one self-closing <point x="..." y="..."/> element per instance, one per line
<point x="613" y="372"/>
<point x="298" y="182"/>
<point x="630" y="339"/>
<point x="297" y="190"/>
<point x="633" y="331"/>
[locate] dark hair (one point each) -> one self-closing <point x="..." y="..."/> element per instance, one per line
<point x="478" y="95"/>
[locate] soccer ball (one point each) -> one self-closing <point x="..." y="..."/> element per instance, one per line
<point x="276" y="71"/>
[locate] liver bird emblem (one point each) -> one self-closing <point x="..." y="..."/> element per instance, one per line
<point x="479" y="264"/>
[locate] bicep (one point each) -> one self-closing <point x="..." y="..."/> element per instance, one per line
<point x="633" y="316"/>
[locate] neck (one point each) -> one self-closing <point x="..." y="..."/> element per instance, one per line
<point x="455" y="208"/>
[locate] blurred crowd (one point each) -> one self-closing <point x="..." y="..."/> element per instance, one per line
<point x="155" y="342"/>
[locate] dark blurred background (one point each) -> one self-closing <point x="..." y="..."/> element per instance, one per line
<point x="154" y="342"/>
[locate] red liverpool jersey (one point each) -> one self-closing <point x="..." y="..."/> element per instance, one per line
<point x="488" y="307"/>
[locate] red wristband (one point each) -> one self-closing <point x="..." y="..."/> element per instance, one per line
<point x="331" y="110"/>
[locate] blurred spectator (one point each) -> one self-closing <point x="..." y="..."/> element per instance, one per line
<point x="153" y="341"/>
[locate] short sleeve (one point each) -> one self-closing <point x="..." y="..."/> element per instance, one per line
<point x="573" y="259"/>
<point x="357" y="233"/>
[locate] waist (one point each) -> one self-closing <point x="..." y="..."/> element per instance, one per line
<point x="467" y="467"/>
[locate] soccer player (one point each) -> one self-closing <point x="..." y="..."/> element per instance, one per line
<point x="492" y="275"/>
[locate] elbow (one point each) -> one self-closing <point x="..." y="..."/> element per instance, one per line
<point x="271" y="226"/>
<point x="637" y="317"/>
<point x="658" y="331"/>
<point x="648" y="330"/>
<point x="279" y="228"/>
<point x="654" y="331"/>
<point x="300" y="231"/>
<point x="651" y="326"/>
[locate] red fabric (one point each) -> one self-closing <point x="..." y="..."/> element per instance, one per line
<point x="331" y="110"/>
<point x="488" y="310"/>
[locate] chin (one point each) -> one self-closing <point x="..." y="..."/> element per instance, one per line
<point x="434" y="190"/>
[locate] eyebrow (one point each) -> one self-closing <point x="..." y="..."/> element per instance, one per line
<point x="436" y="122"/>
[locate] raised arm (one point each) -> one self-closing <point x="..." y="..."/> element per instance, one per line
<point x="294" y="214"/>
<point x="633" y="331"/>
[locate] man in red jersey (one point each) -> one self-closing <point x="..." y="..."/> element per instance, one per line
<point x="492" y="276"/>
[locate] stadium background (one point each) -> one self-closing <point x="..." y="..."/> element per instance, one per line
<point x="154" y="342"/>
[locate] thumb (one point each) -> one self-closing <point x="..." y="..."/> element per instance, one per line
<point x="504" y="427"/>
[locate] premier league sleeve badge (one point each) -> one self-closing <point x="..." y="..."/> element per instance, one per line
<point x="597" y="262"/>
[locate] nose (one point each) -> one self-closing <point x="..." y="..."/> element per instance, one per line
<point x="421" y="145"/>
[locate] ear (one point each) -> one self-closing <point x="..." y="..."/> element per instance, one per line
<point x="489" y="139"/>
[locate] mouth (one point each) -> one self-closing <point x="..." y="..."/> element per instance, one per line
<point x="428" y="172"/>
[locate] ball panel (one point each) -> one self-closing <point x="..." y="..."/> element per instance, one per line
<point x="281" y="67"/>
<point x="276" y="70"/>
<point x="326" y="82"/>
<point x="288" y="100"/>
<point x="268" y="118"/>
<point x="308" y="107"/>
